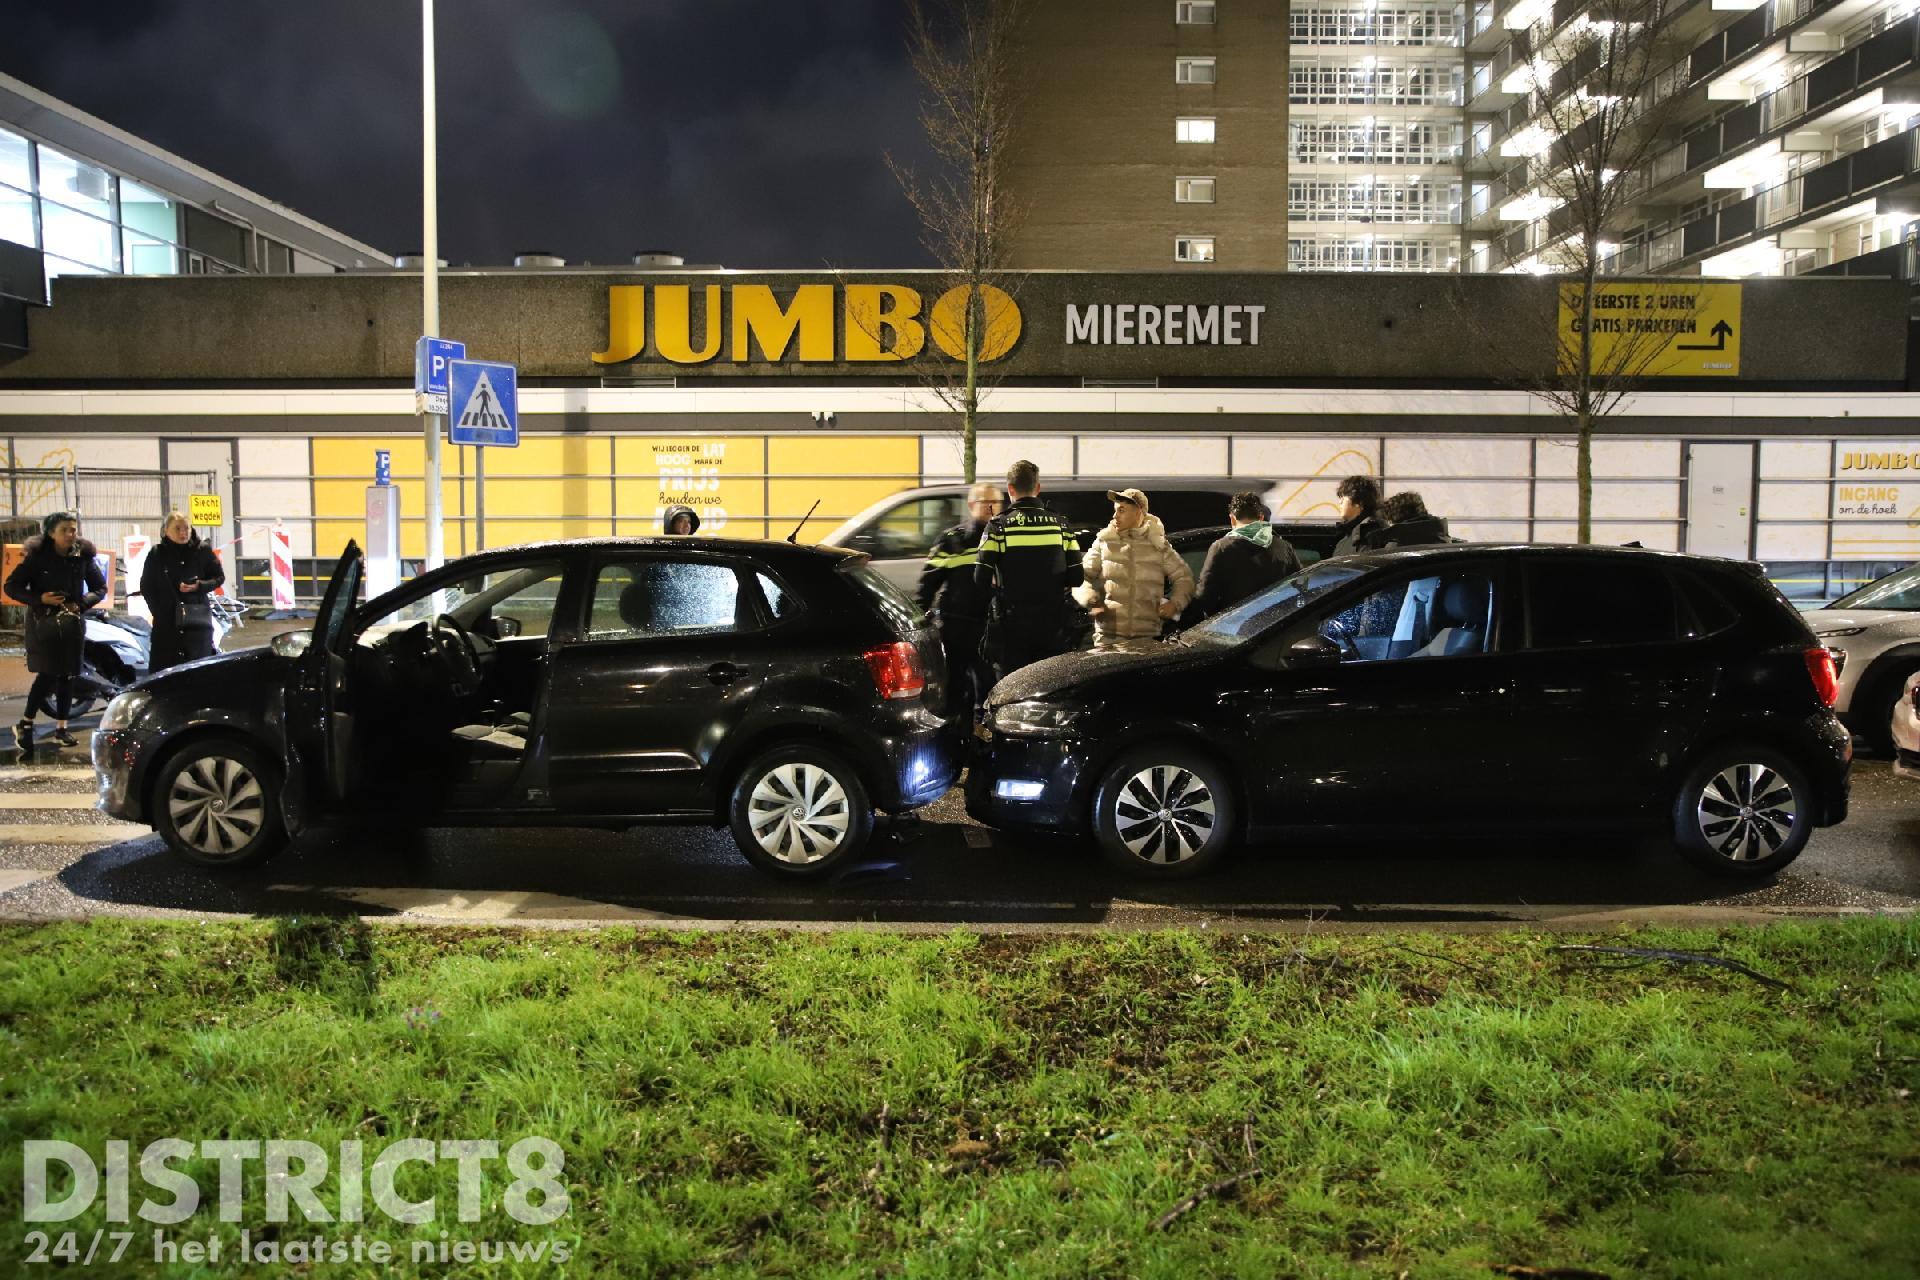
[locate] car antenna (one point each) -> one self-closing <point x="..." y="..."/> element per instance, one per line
<point x="795" y="535"/>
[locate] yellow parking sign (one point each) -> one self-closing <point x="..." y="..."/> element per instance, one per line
<point x="1662" y="329"/>
<point x="204" y="509"/>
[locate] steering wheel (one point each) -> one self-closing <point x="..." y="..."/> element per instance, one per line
<point x="1341" y="634"/>
<point x="452" y="645"/>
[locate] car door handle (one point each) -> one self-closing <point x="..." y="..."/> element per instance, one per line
<point x="725" y="672"/>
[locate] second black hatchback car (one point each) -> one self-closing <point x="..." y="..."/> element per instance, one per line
<point x="772" y="688"/>
<point x="1463" y="687"/>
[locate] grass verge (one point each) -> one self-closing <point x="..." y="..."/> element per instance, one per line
<point x="860" y="1104"/>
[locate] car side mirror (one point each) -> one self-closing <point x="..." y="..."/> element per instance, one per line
<point x="291" y="644"/>
<point x="1313" y="651"/>
<point x="506" y="628"/>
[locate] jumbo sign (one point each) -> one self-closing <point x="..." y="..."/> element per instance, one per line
<point x="819" y="324"/>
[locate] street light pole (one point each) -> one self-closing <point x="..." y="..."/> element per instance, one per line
<point x="430" y="274"/>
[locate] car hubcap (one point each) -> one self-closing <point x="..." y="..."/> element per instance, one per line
<point x="1746" y="812"/>
<point x="1164" y="814"/>
<point x="217" y="806"/>
<point x="798" y="813"/>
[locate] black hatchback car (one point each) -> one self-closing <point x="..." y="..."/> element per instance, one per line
<point x="1466" y="687"/>
<point x="782" y="690"/>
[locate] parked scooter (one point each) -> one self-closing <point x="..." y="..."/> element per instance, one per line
<point x="117" y="646"/>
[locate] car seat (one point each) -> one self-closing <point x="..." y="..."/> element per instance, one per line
<point x="1461" y="615"/>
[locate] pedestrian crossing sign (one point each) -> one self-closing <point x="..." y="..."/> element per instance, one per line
<point x="483" y="404"/>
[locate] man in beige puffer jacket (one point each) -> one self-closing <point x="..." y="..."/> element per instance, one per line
<point x="1135" y="579"/>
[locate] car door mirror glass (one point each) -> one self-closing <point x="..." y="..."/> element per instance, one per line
<point x="1313" y="651"/>
<point x="505" y="628"/>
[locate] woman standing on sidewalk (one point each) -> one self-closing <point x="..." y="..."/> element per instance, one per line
<point x="180" y="572"/>
<point x="57" y="581"/>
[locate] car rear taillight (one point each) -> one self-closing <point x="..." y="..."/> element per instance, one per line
<point x="896" y="670"/>
<point x="1826" y="678"/>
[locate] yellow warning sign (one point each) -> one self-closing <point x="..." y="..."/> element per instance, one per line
<point x="1657" y="329"/>
<point x="204" y="509"/>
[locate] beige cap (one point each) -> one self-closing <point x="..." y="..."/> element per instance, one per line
<point x="1134" y="496"/>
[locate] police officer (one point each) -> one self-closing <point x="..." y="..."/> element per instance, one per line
<point x="1028" y="558"/>
<point x="958" y="604"/>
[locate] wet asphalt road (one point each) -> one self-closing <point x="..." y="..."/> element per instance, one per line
<point x="60" y="858"/>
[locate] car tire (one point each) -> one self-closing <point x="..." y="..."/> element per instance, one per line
<point x="216" y="802"/>
<point x="1164" y="812"/>
<point x="799" y="811"/>
<point x="1744" y="812"/>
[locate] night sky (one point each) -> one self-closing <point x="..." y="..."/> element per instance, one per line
<point x="749" y="133"/>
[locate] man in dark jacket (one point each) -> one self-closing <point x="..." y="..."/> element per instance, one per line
<point x="1249" y="557"/>
<point x="1409" y="524"/>
<point x="1027" y="560"/>
<point x="956" y="601"/>
<point x="681" y="521"/>
<point x="1359" y="514"/>
<point x="180" y="572"/>
<point x="57" y="580"/>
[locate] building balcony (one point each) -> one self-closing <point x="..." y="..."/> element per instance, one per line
<point x="1887" y="174"/>
<point x="1882" y="70"/>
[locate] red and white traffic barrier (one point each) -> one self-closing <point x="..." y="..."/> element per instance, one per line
<point x="281" y="543"/>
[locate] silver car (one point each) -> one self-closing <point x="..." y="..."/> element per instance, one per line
<point x="899" y="530"/>
<point x="1875" y="633"/>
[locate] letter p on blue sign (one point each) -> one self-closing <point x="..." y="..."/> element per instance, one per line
<point x="432" y="358"/>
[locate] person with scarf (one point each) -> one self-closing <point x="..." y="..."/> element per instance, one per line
<point x="1249" y="557"/>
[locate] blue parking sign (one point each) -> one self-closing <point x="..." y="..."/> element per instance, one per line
<point x="431" y="358"/>
<point x="483" y="404"/>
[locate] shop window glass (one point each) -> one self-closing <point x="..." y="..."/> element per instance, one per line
<point x="144" y="256"/>
<point x="148" y="212"/>
<point x="77" y="237"/>
<point x="16" y="217"/>
<point x="75" y="183"/>
<point x="15" y="170"/>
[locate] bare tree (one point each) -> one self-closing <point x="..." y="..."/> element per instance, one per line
<point x="962" y="52"/>
<point x="1604" y="87"/>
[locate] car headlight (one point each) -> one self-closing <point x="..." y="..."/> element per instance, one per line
<point x="125" y="709"/>
<point x="1035" y="719"/>
<point x="1844" y="631"/>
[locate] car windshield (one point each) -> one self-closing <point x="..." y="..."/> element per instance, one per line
<point x="1899" y="590"/>
<point x="1254" y="615"/>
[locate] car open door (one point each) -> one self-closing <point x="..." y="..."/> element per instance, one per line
<point x="319" y="725"/>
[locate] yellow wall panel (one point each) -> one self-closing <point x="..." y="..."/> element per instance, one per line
<point x="718" y="476"/>
<point x="844" y="456"/>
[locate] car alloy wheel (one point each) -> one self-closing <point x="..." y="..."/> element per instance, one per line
<point x="798" y="813"/>
<point x="1165" y="814"/>
<point x="217" y="806"/>
<point x="1747" y="812"/>
<point x="1164" y="811"/>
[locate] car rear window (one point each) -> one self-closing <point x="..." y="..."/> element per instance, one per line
<point x="902" y="615"/>
<point x="1577" y="604"/>
<point x="1704" y="608"/>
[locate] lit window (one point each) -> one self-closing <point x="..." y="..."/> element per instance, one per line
<point x="1193" y="129"/>
<point x="1193" y="71"/>
<point x="1193" y="190"/>
<point x="1194" y="13"/>
<point x="1193" y="249"/>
